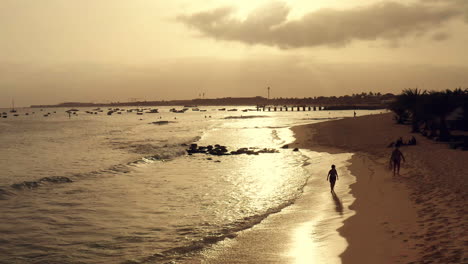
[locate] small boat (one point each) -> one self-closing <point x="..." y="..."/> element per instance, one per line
<point x="178" y="111"/>
<point x="162" y="122"/>
<point x="13" y="110"/>
<point x="140" y="113"/>
<point x="153" y="111"/>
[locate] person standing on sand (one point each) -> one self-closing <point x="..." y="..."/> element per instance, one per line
<point x="332" y="177"/>
<point x="395" y="160"/>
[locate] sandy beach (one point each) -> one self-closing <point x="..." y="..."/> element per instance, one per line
<point x="416" y="217"/>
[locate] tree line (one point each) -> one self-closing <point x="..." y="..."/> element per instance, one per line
<point x="435" y="114"/>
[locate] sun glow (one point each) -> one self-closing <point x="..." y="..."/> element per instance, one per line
<point x="297" y="8"/>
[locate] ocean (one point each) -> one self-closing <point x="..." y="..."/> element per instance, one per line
<point x="121" y="188"/>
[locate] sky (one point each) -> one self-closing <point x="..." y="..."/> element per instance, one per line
<point x="54" y="51"/>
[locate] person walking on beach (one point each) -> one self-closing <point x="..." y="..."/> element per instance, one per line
<point x="332" y="177"/>
<point x="395" y="160"/>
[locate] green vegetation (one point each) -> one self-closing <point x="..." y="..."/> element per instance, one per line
<point x="435" y="114"/>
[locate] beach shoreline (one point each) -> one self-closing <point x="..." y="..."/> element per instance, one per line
<point x="418" y="217"/>
<point x="380" y="218"/>
<point x="300" y="233"/>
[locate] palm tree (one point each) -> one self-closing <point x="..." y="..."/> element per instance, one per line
<point x="441" y="105"/>
<point x="431" y="109"/>
<point x="400" y="110"/>
<point x="462" y="96"/>
<point x="413" y="99"/>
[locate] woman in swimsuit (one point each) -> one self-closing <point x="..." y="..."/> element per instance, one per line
<point x="333" y="177"/>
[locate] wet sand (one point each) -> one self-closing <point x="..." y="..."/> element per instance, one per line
<point x="417" y="217"/>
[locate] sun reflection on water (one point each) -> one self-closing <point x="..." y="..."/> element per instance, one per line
<point x="317" y="240"/>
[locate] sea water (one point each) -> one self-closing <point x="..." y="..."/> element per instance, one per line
<point x="98" y="188"/>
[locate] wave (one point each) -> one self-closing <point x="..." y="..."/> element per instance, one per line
<point x="156" y="153"/>
<point x="274" y="135"/>
<point x="35" y="184"/>
<point x="228" y="231"/>
<point x="157" y="147"/>
<point x="245" y="117"/>
<point x="5" y="194"/>
<point x="161" y="152"/>
<point x="169" y="151"/>
<point x="323" y="118"/>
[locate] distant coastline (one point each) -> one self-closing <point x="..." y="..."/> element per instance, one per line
<point x="357" y="101"/>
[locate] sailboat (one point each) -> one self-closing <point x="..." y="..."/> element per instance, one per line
<point x="13" y="110"/>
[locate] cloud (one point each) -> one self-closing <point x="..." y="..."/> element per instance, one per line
<point x="326" y="27"/>
<point x="440" y="36"/>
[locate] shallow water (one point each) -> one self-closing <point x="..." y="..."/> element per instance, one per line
<point x="135" y="195"/>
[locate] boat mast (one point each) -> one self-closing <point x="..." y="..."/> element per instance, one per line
<point x="12" y="106"/>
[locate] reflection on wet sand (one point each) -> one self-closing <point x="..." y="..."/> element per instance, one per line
<point x="338" y="204"/>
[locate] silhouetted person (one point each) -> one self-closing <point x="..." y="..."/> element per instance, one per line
<point x="399" y="142"/>
<point x="412" y="141"/>
<point x="332" y="177"/>
<point x="395" y="160"/>
<point x="354" y="113"/>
